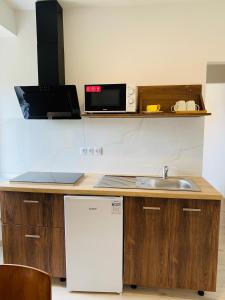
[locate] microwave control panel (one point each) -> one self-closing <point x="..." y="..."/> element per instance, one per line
<point x="131" y="99"/>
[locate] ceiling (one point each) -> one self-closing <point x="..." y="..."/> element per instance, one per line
<point x="29" y="4"/>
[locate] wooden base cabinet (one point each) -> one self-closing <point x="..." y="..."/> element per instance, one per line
<point x="33" y="231"/>
<point x="146" y="242"/>
<point x="194" y="244"/>
<point x="168" y="243"/>
<point x="171" y="243"/>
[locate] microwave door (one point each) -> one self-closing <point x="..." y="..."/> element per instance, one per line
<point x="105" y="98"/>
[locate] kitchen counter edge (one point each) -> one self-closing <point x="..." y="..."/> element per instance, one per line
<point x="85" y="187"/>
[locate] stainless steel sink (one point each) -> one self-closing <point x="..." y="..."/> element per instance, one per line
<point x="151" y="183"/>
<point x="170" y="183"/>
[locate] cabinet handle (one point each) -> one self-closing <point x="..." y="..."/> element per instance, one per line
<point x="192" y="209"/>
<point x="151" y="208"/>
<point x="32" y="236"/>
<point x="31" y="201"/>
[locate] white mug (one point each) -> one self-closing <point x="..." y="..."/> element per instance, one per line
<point x="191" y="105"/>
<point x="179" y="106"/>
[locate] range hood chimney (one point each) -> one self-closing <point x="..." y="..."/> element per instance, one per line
<point x="52" y="99"/>
<point x="50" y="43"/>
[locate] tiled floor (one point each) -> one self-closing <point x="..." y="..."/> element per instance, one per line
<point x="60" y="292"/>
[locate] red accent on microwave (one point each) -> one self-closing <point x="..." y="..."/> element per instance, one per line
<point x="93" y="89"/>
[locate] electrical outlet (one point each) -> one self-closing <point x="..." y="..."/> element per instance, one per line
<point x="98" y="150"/>
<point x="90" y="151"/>
<point x="83" y="151"/>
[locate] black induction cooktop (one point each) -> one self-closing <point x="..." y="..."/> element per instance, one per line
<point x="48" y="177"/>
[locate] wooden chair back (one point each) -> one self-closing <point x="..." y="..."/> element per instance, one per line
<point x="24" y="283"/>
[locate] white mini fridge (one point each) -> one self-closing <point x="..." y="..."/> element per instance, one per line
<point x="94" y="243"/>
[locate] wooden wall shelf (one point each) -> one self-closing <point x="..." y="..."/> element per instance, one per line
<point x="147" y="116"/>
<point x="166" y="96"/>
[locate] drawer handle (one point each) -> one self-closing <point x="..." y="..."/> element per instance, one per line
<point x="31" y="201"/>
<point x="151" y="208"/>
<point x="192" y="209"/>
<point x="32" y="236"/>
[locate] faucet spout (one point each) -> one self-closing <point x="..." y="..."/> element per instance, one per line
<point x="165" y="172"/>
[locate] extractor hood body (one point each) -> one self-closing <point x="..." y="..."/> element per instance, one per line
<point x="52" y="98"/>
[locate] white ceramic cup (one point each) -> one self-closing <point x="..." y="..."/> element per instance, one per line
<point x="191" y="105"/>
<point x="179" y="106"/>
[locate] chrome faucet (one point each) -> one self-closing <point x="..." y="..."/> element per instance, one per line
<point x="165" y="172"/>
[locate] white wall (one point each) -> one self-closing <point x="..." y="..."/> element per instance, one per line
<point x="157" y="44"/>
<point x="214" y="141"/>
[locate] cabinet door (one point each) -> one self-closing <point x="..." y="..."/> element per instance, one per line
<point x="25" y="209"/>
<point x="57" y="257"/>
<point x="146" y="241"/>
<point x="26" y="245"/>
<point x="194" y="244"/>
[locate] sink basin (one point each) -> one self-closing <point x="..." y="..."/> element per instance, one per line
<point x="151" y="183"/>
<point x="174" y="184"/>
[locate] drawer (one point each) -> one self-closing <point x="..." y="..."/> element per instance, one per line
<point x="25" y="208"/>
<point x="26" y="245"/>
<point x="33" y="209"/>
<point x="148" y="207"/>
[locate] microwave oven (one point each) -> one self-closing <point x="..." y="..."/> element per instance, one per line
<point x="110" y="98"/>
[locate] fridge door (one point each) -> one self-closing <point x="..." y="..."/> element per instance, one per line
<point x="94" y="243"/>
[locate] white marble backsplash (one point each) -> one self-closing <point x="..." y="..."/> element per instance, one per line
<point x="130" y="146"/>
<point x="140" y="146"/>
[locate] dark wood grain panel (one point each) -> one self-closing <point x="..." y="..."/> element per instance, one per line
<point x="33" y="214"/>
<point x="56" y="210"/>
<point x="57" y="257"/>
<point x="175" y="247"/>
<point x="33" y="209"/>
<point x="146" y="242"/>
<point x="26" y="245"/>
<point x="25" y="209"/>
<point x="1" y="196"/>
<point x="194" y="244"/>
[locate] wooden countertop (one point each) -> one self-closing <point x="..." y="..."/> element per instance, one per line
<point x="85" y="187"/>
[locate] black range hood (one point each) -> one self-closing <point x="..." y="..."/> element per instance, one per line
<point x="52" y="99"/>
